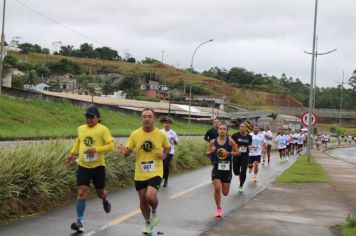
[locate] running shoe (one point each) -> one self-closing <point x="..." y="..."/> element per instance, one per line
<point x="147" y="230"/>
<point x="154" y="221"/>
<point x="106" y="206"/>
<point x="263" y="163"/>
<point x="241" y="190"/>
<point x="165" y="184"/>
<point x="218" y="212"/>
<point x="77" y="226"/>
<point x="254" y="179"/>
<point x="287" y="159"/>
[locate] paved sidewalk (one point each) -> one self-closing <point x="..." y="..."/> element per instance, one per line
<point x="296" y="209"/>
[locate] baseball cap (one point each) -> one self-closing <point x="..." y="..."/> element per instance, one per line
<point x="93" y="111"/>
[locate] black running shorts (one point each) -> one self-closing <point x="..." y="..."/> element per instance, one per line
<point x="153" y="182"/>
<point x="86" y="175"/>
<point x="224" y="175"/>
<point x="252" y="159"/>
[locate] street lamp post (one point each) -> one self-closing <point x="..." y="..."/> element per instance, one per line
<point x="191" y="69"/>
<point x="249" y="87"/>
<point x="309" y="144"/>
<point x="341" y="90"/>
<point x="316" y="54"/>
<point x="2" y="44"/>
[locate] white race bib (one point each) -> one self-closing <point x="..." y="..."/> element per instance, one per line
<point x="148" y="166"/>
<point x="243" y="149"/>
<point x="224" y="165"/>
<point x="90" y="157"/>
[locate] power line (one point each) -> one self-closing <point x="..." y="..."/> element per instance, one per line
<point x="58" y="23"/>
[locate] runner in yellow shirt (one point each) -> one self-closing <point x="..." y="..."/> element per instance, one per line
<point x="151" y="146"/>
<point x="92" y="142"/>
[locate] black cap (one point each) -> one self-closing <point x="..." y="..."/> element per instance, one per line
<point x="93" y="111"/>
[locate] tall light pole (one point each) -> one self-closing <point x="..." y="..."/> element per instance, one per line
<point x="309" y="144"/>
<point x="191" y="69"/>
<point x="249" y="87"/>
<point x="316" y="59"/>
<point x="162" y="56"/>
<point x="342" y="88"/>
<point x="2" y="44"/>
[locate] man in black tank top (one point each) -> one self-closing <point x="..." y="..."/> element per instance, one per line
<point x="244" y="142"/>
<point x="221" y="150"/>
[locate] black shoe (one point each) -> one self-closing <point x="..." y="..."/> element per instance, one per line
<point x="165" y="184"/>
<point x="77" y="226"/>
<point x="106" y="206"/>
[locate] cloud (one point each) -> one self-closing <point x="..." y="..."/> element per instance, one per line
<point x="262" y="36"/>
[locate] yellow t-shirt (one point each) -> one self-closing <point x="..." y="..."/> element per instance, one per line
<point x="99" y="137"/>
<point x="146" y="146"/>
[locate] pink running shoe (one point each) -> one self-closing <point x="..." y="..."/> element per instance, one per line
<point x="218" y="212"/>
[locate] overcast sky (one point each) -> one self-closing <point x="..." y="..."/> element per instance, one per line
<point x="263" y="36"/>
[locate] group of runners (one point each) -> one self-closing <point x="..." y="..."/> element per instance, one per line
<point x="154" y="150"/>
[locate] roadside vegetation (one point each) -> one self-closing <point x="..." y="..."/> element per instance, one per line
<point x="303" y="171"/>
<point x="34" y="179"/>
<point x="35" y="118"/>
<point x="349" y="228"/>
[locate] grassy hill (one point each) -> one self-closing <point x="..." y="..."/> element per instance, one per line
<point x="38" y="118"/>
<point x="175" y="77"/>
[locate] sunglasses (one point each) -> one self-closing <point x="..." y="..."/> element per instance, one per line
<point x="89" y="116"/>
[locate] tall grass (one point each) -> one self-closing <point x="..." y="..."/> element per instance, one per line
<point x="33" y="177"/>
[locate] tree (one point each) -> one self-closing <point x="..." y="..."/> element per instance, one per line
<point x="352" y="81"/>
<point x="107" y="88"/>
<point x="148" y="60"/>
<point x="43" y="70"/>
<point x="131" y="60"/>
<point x="67" y="50"/>
<point x="107" y="53"/>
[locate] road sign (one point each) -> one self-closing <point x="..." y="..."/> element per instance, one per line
<point x="305" y="117"/>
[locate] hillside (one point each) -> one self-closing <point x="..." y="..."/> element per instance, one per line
<point x="175" y="78"/>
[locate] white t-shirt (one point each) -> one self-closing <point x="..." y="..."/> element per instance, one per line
<point x="171" y="135"/>
<point x="268" y="136"/>
<point x="258" y="141"/>
<point x="350" y="138"/>
<point x="295" y="138"/>
<point x="281" y="141"/>
<point x="300" y="139"/>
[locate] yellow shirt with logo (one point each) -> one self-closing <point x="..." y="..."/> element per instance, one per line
<point x="146" y="146"/>
<point x="99" y="137"/>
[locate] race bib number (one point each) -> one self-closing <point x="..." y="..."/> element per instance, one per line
<point x="90" y="157"/>
<point x="243" y="149"/>
<point x="255" y="149"/>
<point x="148" y="166"/>
<point x="224" y="165"/>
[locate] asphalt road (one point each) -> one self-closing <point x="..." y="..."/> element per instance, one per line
<point x="186" y="207"/>
<point x="345" y="154"/>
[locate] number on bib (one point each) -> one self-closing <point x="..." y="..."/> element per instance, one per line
<point x="90" y="157"/>
<point x="148" y="166"/>
<point x="224" y="165"/>
<point x="243" y="149"/>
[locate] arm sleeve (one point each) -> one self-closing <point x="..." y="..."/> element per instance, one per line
<point x="75" y="148"/>
<point x="108" y="142"/>
<point x="131" y="142"/>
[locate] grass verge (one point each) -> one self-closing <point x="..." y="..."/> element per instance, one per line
<point x="34" y="179"/>
<point x="303" y="171"/>
<point x="349" y="228"/>
<point x="39" y="118"/>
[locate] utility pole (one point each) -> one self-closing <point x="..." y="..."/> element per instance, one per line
<point x="341" y="91"/>
<point x="162" y="56"/>
<point x="2" y="44"/>
<point x="310" y="141"/>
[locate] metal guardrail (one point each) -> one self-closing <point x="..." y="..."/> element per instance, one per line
<point x="325" y="113"/>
